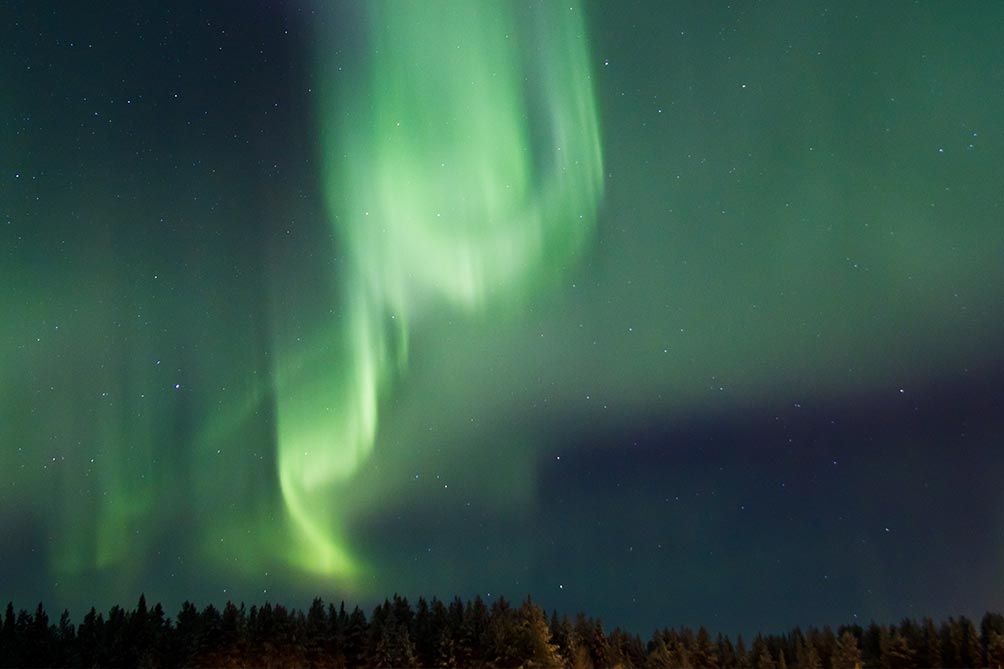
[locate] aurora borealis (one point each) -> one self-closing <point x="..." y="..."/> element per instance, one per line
<point x="672" y="312"/>
<point x="467" y="167"/>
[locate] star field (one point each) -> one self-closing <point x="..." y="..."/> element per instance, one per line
<point x="679" y="313"/>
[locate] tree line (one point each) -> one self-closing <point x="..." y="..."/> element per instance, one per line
<point x="465" y="634"/>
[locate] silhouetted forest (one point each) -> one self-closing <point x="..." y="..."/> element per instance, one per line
<point x="465" y="634"/>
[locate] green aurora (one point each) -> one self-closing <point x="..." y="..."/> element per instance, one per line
<point x="342" y="299"/>
<point x="467" y="170"/>
<point x="471" y="160"/>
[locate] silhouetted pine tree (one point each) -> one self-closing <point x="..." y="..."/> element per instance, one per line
<point x="579" y="656"/>
<point x="223" y="637"/>
<point x="810" y="657"/>
<point x="425" y="636"/>
<point x="403" y="614"/>
<point x="871" y="645"/>
<point x="118" y="649"/>
<point x="8" y="636"/>
<point x="951" y="643"/>
<point x="502" y="625"/>
<point x="210" y="640"/>
<point x="995" y="650"/>
<point x="702" y="652"/>
<point x="913" y="633"/>
<point x="392" y="646"/>
<point x="40" y="646"/>
<point x="390" y="643"/>
<point x="626" y="650"/>
<point x="187" y="631"/>
<point x="66" y="642"/>
<point x="474" y="641"/>
<point x="559" y="636"/>
<point x="825" y="642"/>
<point x="659" y="655"/>
<point x="991" y="622"/>
<point x="533" y="638"/>
<point x="760" y="653"/>
<point x="971" y="651"/>
<point x="591" y="644"/>
<point x="743" y="660"/>
<point x="680" y="654"/>
<point x="929" y="649"/>
<point x="337" y="621"/>
<point x="356" y="631"/>
<point x="896" y="652"/>
<point x="446" y="649"/>
<point x="847" y="654"/>
<point x="726" y="652"/>
<point x="89" y="635"/>
<point x="17" y="652"/>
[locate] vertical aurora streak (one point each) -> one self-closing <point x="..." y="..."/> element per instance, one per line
<point x="465" y="172"/>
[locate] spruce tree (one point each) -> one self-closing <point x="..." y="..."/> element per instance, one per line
<point x="356" y="630"/>
<point x="503" y="643"/>
<point x="473" y="642"/>
<point x="991" y="622"/>
<point x="659" y="656"/>
<point x="929" y="652"/>
<point x="743" y="659"/>
<point x="971" y="651"/>
<point x="897" y="653"/>
<point x="812" y="659"/>
<point x="761" y="654"/>
<point x="66" y="642"/>
<point x="680" y="654"/>
<point x="951" y="643"/>
<point x="425" y="634"/>
<point x="534" y="638"/>
<point x="445" y="651"/>
<point x="995" y="650"/>
<point x="703" y="655"/>
<point x="847" y="654"/>
<point x="726" y="653"/>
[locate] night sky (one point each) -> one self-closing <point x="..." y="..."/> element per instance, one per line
<point x="671" y="312"/>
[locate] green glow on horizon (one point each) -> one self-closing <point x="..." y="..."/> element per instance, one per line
<point x="465" y="172"/>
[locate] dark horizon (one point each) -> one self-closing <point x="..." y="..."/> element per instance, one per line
<point x="468" y="634"/>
